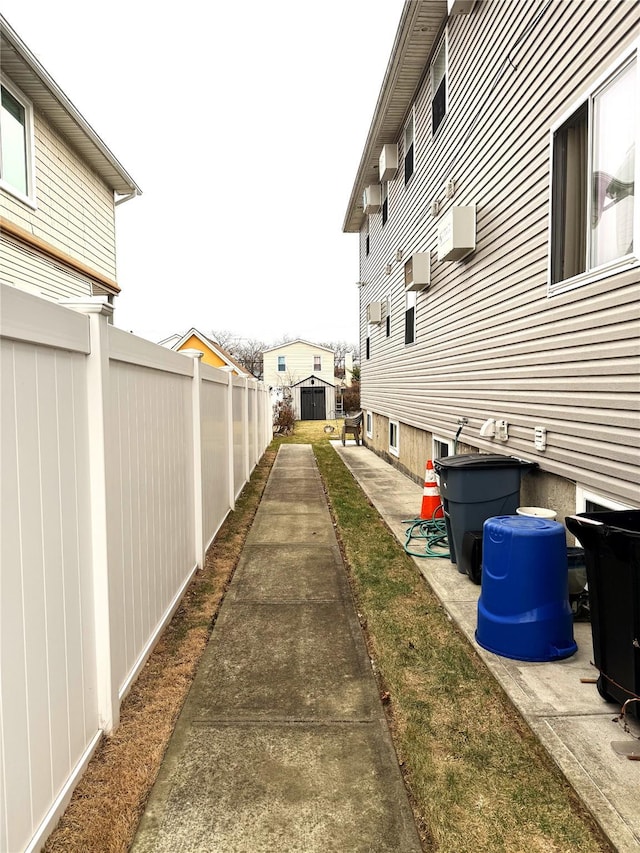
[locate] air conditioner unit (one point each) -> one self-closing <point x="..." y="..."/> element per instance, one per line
<point x="388" y="162"/>
<point x="457" y="233"/>
<point x="417" y="271"/>
<point x="371" y="199"/>
<point x="374" y="312"/>
<point x="460" y="7"/>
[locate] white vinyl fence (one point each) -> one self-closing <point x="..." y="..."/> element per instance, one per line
<point x="120" y="460"/>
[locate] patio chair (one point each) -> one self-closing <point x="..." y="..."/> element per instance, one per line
<point x="352" y="426"/>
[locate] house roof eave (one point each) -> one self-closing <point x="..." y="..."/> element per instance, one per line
<point x="418" y="31"/>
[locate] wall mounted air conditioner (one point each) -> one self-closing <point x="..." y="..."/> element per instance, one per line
<point x="417" y="271"/>
<point x="371" y="201"/>
<point x="460" y="7"/>
<point x="374" y="312"/>
<point x="388" y="162"/>
<point x="457" y="233"/>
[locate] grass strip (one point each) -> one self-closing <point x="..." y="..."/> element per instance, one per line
<point x="478" y="777"/>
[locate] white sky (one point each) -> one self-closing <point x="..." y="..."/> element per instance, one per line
<point x="243" y="123"/>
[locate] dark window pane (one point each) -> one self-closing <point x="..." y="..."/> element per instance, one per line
<point x="408" y="164"/>
<point x="385" y="210"/>
<point x="366" y="245"/>
<point x="569" y="198"/>
<point x="408" y="325"/>
<point x="368" y="349"/>
<point x="439" y="105"/>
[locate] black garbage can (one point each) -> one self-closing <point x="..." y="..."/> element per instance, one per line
<point x="475" y="487"/>
<point x="611" y="542"/>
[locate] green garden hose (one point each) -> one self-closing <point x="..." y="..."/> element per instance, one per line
<point x="432" y="532"/>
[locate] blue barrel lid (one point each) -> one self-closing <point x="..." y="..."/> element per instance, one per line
<point x="482" y="460"/>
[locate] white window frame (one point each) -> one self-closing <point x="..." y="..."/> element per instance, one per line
<point x="317" y="359"/>
<point x="384" y="199"/>
<point x="283" y="368"/>
<point x="435" y="452"/>
<point x="387" y="316"/>
<point x="30" y="197"/>
<point x="584" y="494"/>
<point x="369" y="422"/>
<point x="394" y="449"/>
<point x="626" y="262"/>
<point x="442" y="45"/>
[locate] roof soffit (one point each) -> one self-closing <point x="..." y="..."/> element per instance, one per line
<point x="418" y="31"/>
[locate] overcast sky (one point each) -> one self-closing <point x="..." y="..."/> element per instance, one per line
<point x="243" y="123"/>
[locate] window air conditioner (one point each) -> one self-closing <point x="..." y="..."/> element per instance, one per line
<point x="374" y="312"/>
<point x="417" y="271"/>
<point x="460" y="7"/>
<point x="457" y="233"/>
<point x="388" y="162"/>
<point x="371" y="200"/>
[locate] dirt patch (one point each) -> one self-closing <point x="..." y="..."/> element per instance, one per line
<point x="108" y="802"/>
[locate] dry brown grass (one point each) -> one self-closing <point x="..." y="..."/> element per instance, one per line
<point x="107" y="804"/>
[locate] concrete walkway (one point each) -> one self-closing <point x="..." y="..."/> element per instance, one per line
<point x="574" y="724"/>
<point x="282" y="744"/>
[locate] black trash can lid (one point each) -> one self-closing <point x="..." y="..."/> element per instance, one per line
<point x="482" y="460"/>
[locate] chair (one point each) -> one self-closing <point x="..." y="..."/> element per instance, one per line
<point x="352" y="426"/>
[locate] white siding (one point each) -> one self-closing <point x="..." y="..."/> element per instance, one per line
<point x="490" y="341"/>
<point x="299" y="364"/>
<point x="74" y="213"/>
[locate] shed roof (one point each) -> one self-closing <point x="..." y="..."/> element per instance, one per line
<point x="24" y="69"/>
<point x="317" y="379"/>
<point x="416" y="38"/>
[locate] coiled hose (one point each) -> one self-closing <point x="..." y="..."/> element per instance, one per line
<point x="431" y="532"/>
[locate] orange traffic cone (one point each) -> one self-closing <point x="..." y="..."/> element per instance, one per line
<point x="431" y="503"/>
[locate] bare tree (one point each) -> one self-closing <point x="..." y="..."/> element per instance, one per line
<point x="246" y="351"/>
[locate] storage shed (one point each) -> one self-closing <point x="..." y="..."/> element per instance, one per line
<point x="313" y="399"/>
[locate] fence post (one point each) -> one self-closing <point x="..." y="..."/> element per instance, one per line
<point x="230" y="445"/>
<point x="99" y="313"/>
<point x="245" y="432"/>
<point x="198" y="501"/>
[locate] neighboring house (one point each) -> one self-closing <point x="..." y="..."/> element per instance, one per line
<point x="214" y="354"/>
<point x="500" y="255"/>
<point x="303" y="372"/>
<point x="286" y="364"/>
<point x="59" y="186"/>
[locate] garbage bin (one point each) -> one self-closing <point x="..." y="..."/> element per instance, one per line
<point x="611" y="542"/>
<point x="523" y="609"/>
<point x="475" y="487"/>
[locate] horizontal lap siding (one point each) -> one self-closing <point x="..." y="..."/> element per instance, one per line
<point x="489" y="341"/>
<point x="75" y="209"/>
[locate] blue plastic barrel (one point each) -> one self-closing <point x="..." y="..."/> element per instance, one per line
<point x="523" y="610"/>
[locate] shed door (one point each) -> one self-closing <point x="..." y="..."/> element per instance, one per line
<point x="312" y="404"/>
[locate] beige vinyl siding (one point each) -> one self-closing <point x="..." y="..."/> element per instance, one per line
<point x="298" y="363"/>
<point x="490" y="341"/>
<point x="29" y="270"/>
<point x="75" y="210"/>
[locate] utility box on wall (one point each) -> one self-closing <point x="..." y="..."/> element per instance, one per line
<point x="371" y="199"/>
<point x="457" y="233"/>
<point x="417" y="271"/>
<point x="388" y="163"/>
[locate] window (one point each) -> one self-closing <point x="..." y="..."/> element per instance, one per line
<point x="281" y="364"/>
<point x="317" y="363"/>
<point x="387" y="319"/>
<point x="369" y="425"/>
<point x="441" y="447"/>
<point x="16" y="142"/>
<point x="367" y="245"/>
<point x="367" y="348"/>
<point x="439" y="86"/>
<point x="587" y="501"/>
<point x="410" y="317"/>
<point x="394" y="438"/>
<point x="409" y="139"/>
<point x="594" y="211"/>
<point x="385" y="201"/>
